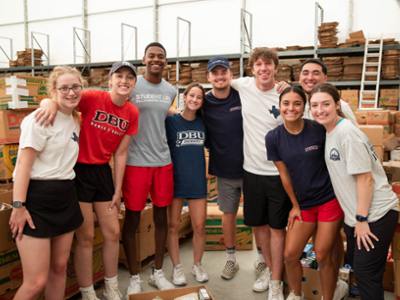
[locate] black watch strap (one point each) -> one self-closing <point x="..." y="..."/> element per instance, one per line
<point x="18" y="204"/>
<point x="361" y="218"/>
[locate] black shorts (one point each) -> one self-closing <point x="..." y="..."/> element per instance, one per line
<point x="54" y="208"/>
<point x="94" y="183"/>
<point x="265" y="201"/>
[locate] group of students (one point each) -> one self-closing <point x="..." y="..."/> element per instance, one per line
<point x="295" y="172"/>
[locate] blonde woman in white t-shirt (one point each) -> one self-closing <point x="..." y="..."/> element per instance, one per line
<point x="45" y="208"/>
<point x="370" y="206"/>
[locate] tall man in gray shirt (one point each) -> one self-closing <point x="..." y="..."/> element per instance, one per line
<point x="149" y="166"/>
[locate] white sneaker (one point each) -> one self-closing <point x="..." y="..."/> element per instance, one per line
<point x="262" y="283"/>
<point x="134" y="286"/>
<point x="229" y="270"/>
<point x="158" y="280"/>
<point x="89" y="296"/>
<point x="275" y="290"/>
<point x="199" y="272"/>
<point x="178" y="275"/>
<point x="341" y="290"/>
<point x="292" y="296"/>
<point x="111" y="292"/>
<point x="259" y="266"/>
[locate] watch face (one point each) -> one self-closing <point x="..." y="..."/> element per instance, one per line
<point x="17" y="204"/>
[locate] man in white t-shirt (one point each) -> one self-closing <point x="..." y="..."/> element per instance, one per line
<point x="266" y="205"/>
<point x="313" y="72"/>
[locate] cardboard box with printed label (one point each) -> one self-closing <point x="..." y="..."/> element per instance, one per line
<point x="351" y="97"/>
<point x="8" y="158"/>
<point x="27" y="89"/>
<point x="361" y="117"/>
<point x="10" y="122"/>
<point x="10" y="270"/>
<point x="214" y="235"/>
<point x="374" y="133"/>
<point x="390" y="93"/>
<point x="212" y="190"/>
<point x="378" y="117"/>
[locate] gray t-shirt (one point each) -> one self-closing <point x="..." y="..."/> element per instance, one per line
<point x="149" y="147"/>
<point x="348" y="152"/>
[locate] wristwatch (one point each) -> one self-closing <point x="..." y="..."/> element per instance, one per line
<point x="361" y="218"/>
<point x="18" y="204"/>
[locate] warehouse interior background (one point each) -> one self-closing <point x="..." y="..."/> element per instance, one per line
<point x="215" y="25"/>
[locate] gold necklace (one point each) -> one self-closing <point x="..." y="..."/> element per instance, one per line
<point x="298" y="131"/>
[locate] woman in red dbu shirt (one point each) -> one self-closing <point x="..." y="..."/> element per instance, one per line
<point x="108" y="123"/>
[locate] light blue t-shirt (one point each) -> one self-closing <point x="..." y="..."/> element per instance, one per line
<point x="149" y="147"/>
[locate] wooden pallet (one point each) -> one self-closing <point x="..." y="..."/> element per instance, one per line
<point x="151" y="259"/>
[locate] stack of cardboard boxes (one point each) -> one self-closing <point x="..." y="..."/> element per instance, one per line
<point x="15" y="92"/>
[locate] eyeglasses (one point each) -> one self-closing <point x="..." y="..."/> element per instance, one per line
<point x="65" y="90"/>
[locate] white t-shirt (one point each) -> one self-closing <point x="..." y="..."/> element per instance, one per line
<point x="346" y="109"/>
<point x="58" y="146"/>
<point x="261" y="114"/>
<point x="348" y="152"/>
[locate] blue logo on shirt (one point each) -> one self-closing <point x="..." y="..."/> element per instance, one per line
<point x="274" y="112"/>
<point x="334" y="155"/>
<point x="75" y="138"/>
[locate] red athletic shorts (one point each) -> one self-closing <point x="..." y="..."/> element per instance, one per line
<point x="328" y="212"/>
<point x="140" y="181"/>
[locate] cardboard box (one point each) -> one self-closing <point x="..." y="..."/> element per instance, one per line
<point x="396" y="279"/>
<point x="8" y="158"/>
<point x="361" y="117"/>
<point x="9" y="295"/>
<point x="6" y="240"/>
<point x="310" y="286"/>
<point x="351" y="97"/>
<point x="390" y="142"/>
<point x="397" y="118"/>
<point x="212" y="190"/>
<point x="392" y="170"/>
<point x="388" y="102"/>
<point x="10" y="122"/>
<point x="169" y="294"/>
<point x="30" y="89"/>
<point x="392" y="94"/>
<point x="72" y="287"/>
<point x="374" y="133"/>
<point x="378" y="117"/>
<point x="10" y="270"/>
<point x="214" y="234"/>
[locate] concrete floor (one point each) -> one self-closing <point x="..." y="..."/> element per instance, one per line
<point x="240" y="287"/>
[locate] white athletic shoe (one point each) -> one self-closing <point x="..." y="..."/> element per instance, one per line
<point x="259" y="266"/>
<point x="134" y="286"/>
<point x="262" y="283"/>
<point x="292" y="296"/>
<point x="275" y="290"/>
<point x="111" y="292"/>
<point x="341" y="290"/>
<point x="199" y="272"/>
<point x="159" y="281"/>
<point x="89" y="296"/>
<point x="178" y="275"/>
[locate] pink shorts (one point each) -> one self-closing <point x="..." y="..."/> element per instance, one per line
<point x="140" y="181"/>
<point x="328" y="212"/>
